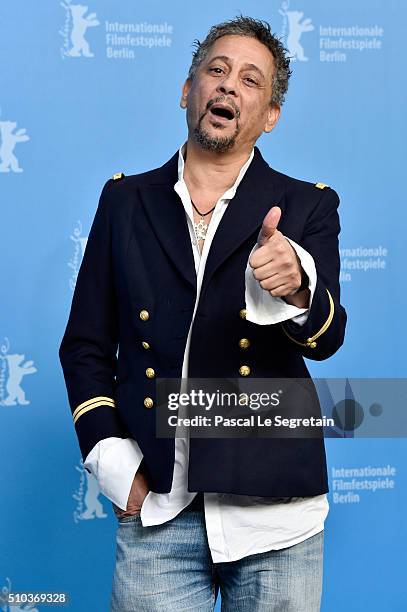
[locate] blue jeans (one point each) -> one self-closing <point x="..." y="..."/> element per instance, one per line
<point x="169" y="568"/>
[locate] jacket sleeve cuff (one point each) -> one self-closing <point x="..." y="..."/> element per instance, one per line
<point x="114" y="463"/>
<point x="308" y="265"/>
<point x="264" y="308"/>
<point x="95" y="419"/>
<point x="323" y="333"/>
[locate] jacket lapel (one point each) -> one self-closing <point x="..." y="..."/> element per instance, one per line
<point x="259" y="190"/>
<point x="167" y="216"/>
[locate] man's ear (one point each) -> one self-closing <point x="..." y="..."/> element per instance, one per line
<point x="273" y="115"/>
<point x="185" y="89"/>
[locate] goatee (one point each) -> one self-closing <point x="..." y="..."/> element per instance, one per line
<point x="218" y="144"/>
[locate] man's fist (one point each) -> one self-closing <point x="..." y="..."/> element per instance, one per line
<point x="276" y="265"/>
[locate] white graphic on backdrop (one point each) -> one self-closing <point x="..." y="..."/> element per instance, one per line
<point x="74" y="263"/>
<point x="76" y="24"/>
<point x="8" y="140"/>
<point x="87" y="496"/>
<point x="350" y="485"/>
<point x="122" y="39"/>
<point x="4" y="599"/>
<point x="13" y="368"/>
<point x="294" y="27"/>
<point x="337" y="43"/>
<point x="362" y="259"/>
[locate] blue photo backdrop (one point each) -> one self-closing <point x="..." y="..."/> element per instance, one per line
<point x="90" y="90"/>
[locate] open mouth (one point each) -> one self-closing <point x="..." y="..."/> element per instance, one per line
<point x="222" y="111"/>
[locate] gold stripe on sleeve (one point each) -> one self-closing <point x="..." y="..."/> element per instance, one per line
<point x="101" y="399"/>
<point x="87" y="408"/>
<point x="310" y="342"/>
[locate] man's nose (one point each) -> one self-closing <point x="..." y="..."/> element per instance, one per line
<point x="228" y="86"/>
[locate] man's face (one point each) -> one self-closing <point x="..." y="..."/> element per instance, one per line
<point x="228" y="101"/>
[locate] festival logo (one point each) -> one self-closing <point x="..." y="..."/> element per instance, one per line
<point x="362" y="259"/>
<point x="13" y="368"/>
<point x="87" y="497"/>
<point x="122" y="40"/>
<point x="294" y="26"/>
<point x="74" y="263"/>
<point x="77" y="22"/>
<point x="9" y="137"/>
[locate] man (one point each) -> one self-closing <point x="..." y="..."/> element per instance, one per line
<point x="213" y="265"/>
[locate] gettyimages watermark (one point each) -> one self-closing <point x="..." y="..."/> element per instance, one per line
<point x="281" y="408"/>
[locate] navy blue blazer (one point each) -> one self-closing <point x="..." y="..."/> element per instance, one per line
<point x="135" y="295"/>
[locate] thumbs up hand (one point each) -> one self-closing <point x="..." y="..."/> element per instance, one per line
<point x="269" y="226"/>
<point x="276" y="265"/>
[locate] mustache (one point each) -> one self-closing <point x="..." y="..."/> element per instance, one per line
<point x="222" y="100"/>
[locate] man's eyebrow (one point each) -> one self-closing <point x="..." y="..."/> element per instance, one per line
<point x="226" y="59"/>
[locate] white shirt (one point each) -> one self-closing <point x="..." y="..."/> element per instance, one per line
<point x="236" y="525"/>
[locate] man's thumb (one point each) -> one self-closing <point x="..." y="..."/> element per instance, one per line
<point x="269" y="226"/>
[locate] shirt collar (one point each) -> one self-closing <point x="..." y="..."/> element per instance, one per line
<point x="229" y="194"/>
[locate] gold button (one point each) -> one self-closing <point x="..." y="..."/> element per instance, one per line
<point x="144" y="315"/>
<point x="243" y="313"/>
<point x="311" y="344"/>
<point x="148" y="402"/>
<point x="244" y="343"/>
<point x="244" y="370"/>
<point x="150" y="373"/>
<point x="145" y="345"/>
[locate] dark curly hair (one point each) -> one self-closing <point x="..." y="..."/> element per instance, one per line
<point x="247" y="26"/>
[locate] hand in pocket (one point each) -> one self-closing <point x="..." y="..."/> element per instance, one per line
<point x="138" y="492"/>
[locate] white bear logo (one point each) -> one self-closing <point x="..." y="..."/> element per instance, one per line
<point x="87" y="496"/>
<point x="296" y="27"/>
<point x="16" y="371"/>
<point x="80" y="23"/>
<point x="8" y="140"/>
<point x="93" y="506"/>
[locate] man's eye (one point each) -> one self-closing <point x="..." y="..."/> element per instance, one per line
<point x="251" y="80"/>
<point x="216" y="68"/>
